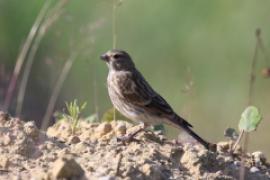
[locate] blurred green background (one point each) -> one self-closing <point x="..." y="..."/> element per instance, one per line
<point x="210" y="43"/>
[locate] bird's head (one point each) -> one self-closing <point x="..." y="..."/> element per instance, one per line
<point x="118" y="60"/>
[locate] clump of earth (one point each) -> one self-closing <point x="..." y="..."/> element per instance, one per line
<point x="93" y="152"/>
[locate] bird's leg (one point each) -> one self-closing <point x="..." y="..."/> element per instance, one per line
<point x="130" y="137"/>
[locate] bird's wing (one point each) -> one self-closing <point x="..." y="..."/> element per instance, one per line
<point x="133" y="90"/>
<point x="136" y="90"/>
<point x="142" y="94"/>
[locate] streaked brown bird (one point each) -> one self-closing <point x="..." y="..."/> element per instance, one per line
<point x="132" y="96"/>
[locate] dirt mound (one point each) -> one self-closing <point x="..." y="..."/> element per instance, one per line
<point x="93" y="152"/>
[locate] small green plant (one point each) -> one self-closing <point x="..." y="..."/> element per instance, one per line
<point x="250" y="119"/>
<point x="112" y="114"/>
<point x="73" y="115"/>
<point x="92" y="118"/>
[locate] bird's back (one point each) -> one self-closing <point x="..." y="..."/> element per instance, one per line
<point x="135" y="98"/>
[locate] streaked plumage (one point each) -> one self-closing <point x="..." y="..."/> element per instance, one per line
<point x="134" y="97"/>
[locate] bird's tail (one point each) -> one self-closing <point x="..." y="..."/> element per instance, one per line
<point x="187" y="127"/>
<point x="197" y="137"/>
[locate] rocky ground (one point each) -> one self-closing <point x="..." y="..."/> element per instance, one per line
<point x="94" y="153"/>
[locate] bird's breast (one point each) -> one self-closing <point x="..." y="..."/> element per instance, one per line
<point x="119" y="83"/>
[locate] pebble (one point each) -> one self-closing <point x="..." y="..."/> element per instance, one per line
<point x="104" y="128"/>
<point x="254" y="169"/>
<point x="121" y="129"/>
<point x="49" y="146"/>
<point x="107" y="178"/>
<point x="74" y="140"/>
<point x="4" y="116"/>
<point x="5" y="139"/>
<point x="31" y="129"/>
<point x="223" y="146"/>
<point x="4" y="162"/>
<point x="237" y="163"/>
<point x="259" y="158"/>
<point x="66" y="168"/>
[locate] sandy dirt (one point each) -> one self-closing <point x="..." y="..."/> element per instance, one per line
<point x="93" y="152"/>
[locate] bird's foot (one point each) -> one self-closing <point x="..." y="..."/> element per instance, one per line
<point x="129" y="137"/>
<point x="126" y="139"/>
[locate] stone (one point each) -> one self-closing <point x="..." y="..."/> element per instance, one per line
<point x="49" y="145"/>
<point x="5" y="139"/>
<point x="103" y="128"/>
<point x="74" y="140"/>
<point x="4" y="116"/>
<point x="152" y="171"/>
<point x="259" y="158"/>
<point x="121" y="129"/>
<point x="107" y="178"/>
<point x="66" y="168"/>
<point x="31" y="129"/>
<point x="237" y="163"/>
<point x="4" y="162"/>
<point x="80" y="147"/>
<point x="175" y="156"/>
<point x="52" y="132"/>
<point x="224" y="146"/>
<point x="254" y="169"/>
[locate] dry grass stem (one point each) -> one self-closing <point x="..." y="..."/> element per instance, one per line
<point x="57" y="89"/>
<point x="23" y="52"/>
<point x="250" y="101"/>
<point x="96" y="95"/>
<point x="54" y="14"/>
<point x="114" y="37"/>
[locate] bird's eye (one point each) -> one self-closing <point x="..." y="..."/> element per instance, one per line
<point x="116" y="56"/>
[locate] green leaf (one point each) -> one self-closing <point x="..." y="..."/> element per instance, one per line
<point x="159" y="127"/>
<point x="83" y="106"/>
<point x="250" y="119"/>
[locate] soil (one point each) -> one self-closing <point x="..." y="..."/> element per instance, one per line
<point x="93" y="152"/>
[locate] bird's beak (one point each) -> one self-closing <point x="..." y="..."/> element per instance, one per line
<point x="104" y="57"/>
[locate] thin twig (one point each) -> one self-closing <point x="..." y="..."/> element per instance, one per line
<point x="189" y="91"/>
<point x="114" y="34"/>
<point x="55" y="9"/>
<point x="27" y="70"/>
<point x="96" y="95"/>
<point x="23" y="53"/>
<point x="54" y="15"/>
<point x="250" y="100"/>
<point x="117" y="171"/>
<point x="253" y="69"/>
<point x="238" y="140"/>
<point x="262" y="47"/>
<point x="56" y="90"/>
<point x="251" y="81"/>
<point x="4" y="170"/>
<point x="242" y="167"/>
<point x="114" y="37"/>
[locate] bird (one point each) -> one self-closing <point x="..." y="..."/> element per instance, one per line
<point x="133" y="96"/>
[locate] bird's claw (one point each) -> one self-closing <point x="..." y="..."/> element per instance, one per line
<point x="129" y="137"/>
<point x="126" y="139"/>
